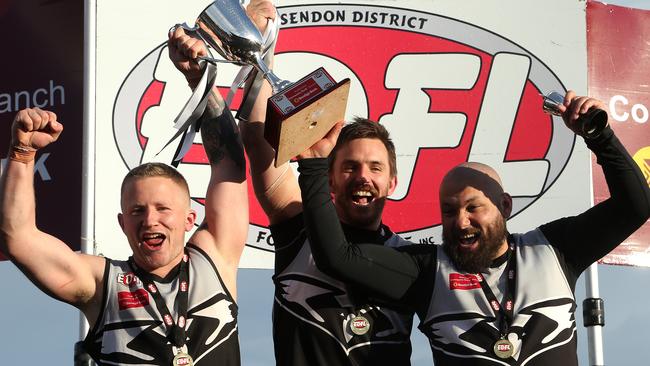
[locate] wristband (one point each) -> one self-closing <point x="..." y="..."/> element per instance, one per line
<point x="22" y="154"/>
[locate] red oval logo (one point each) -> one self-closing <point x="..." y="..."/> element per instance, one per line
<point x="448" y="92"/>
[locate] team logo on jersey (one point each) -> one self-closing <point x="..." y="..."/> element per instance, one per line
<point x="447" y="91"/>
<point x="128" y="279"/>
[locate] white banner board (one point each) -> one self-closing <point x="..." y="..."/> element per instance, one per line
<point x="452" y="81"/>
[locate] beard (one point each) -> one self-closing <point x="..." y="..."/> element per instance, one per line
<point x="479" y="259"/>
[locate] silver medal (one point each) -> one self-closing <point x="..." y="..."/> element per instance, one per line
<point x="503" y="348"/>
<point x="359" y="325"/>
<point x="182" y="359"/>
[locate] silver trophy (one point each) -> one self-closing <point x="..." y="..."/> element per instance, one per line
<point x="225" y="27"/>
<point x="298" y="114"/>
<point x="591" y="123"/>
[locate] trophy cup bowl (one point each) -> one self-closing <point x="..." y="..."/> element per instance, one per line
<point x="591" y="123"/>
<point x="225" y="26"/>
<point x="298" y="114"/>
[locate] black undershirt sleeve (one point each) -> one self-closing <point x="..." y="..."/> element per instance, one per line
<point x="585" y="238"/>
<point x="385" y="271"/>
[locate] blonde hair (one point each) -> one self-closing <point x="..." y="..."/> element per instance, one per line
<point x="150" y="170"/>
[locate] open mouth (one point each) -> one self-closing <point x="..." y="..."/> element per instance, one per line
<point x="152" y="241"/>
<point x="362" y="197"/>
<point x="468" y="240"/>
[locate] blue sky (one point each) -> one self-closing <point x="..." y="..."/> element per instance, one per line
<point x="44" y="330"/>
<point x="39" y="330"/>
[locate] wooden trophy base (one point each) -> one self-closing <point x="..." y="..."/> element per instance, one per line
<point x="303" y="113"/>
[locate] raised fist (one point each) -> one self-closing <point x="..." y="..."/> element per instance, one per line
<point x="184" y="51"/>
<point x="260" y="11"/>
<point x="35" y="128"/>
<point x="576" y="106"/>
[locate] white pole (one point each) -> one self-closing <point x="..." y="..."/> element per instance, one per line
<point x="592" y="302"/>
<point x="594" y="332"/>
<point x="88" y="158"/>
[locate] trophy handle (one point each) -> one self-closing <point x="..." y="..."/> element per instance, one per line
<point x="194" y="31"/>
<point x="276" y="83"/>
<point x="551" y="102"/>
<point x="591" y="123"/>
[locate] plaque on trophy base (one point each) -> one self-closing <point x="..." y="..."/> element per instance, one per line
<point x="302" y="113"/>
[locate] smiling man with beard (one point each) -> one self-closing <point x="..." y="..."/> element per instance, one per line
<point x="478" y="236"/>
<point x="364" y="173"/>
<point x="319" y="320"/>
<point x="486" y="297"/>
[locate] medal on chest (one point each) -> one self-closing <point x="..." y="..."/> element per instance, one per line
<point x="504" y="313"/>
<point x="503" y="348"/>
<point x="359" y="325"/>
<point x="182" y="359"/>
<point x="176" y="332"/>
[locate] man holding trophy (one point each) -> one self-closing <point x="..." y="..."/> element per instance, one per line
<point x="487" y="296"/>
<point x="170" y="303"/>
<point x="317" y="320"/>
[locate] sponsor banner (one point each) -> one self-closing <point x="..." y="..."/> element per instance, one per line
<point x="451" y="85"/>
<point x="136" y="299"/>
<point x="619" y="60"/>
<point x="459" y="281"/>
<point x="42" y="67"/>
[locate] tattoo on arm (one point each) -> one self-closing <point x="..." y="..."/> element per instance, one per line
<point x="220" y="133"/>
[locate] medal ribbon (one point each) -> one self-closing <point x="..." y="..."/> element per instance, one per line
<point x="187" y="122"/>
<point x="176" y="330"/>
<point x="504" y="313"/>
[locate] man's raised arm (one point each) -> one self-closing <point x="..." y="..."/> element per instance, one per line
<point x="275" y="188"/>
<point x="224" y="230"/>
<point x="48" y="262"/>
<point x="587" y="237"/>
